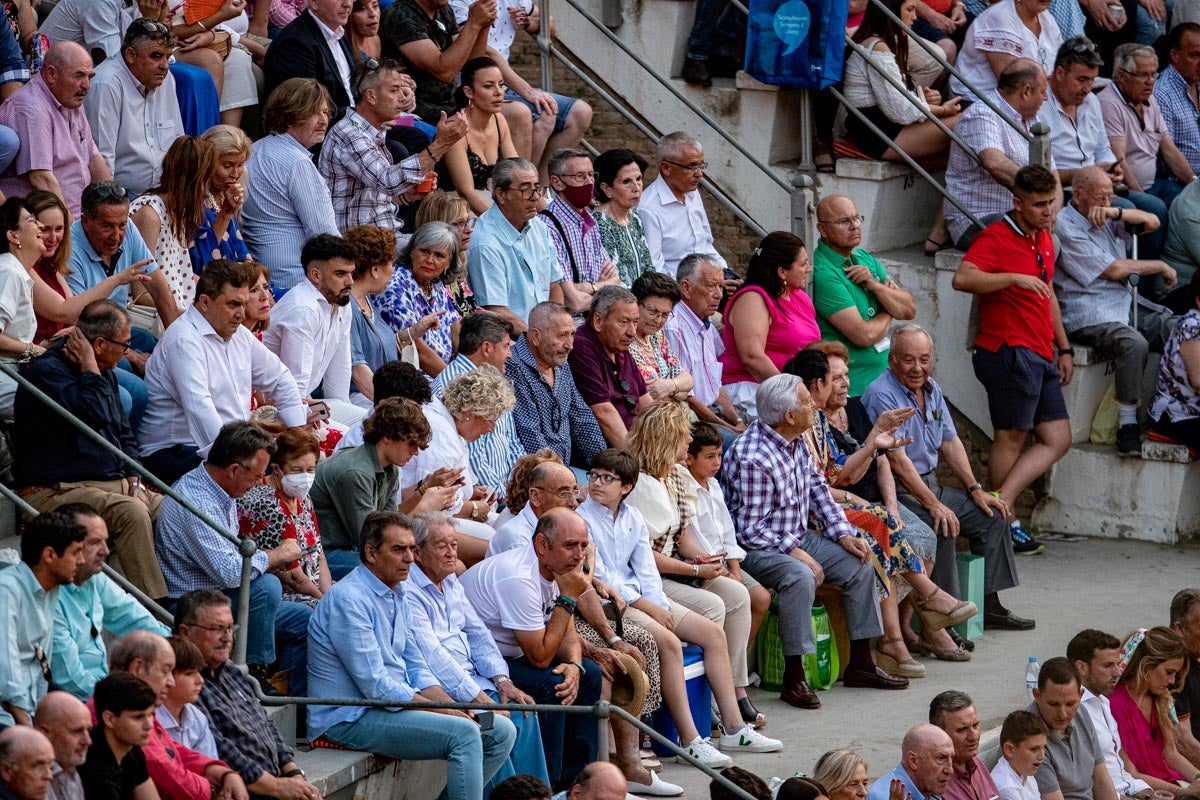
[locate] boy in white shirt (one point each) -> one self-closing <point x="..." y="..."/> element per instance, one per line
<point x="1023" y="748"/>
<point x="179" y="714"/>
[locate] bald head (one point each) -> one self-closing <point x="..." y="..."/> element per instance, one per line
<point x="922" y="738"/>
<point x="68" y="70"/>
<point x="1091" y="188"/>
<point x="838" y="224"/>
<point x="67" y="723"/>
<point x="552" y="486"/>
<point x="599" y="780"/>
<point x="928" y="758"/>
<point x="25" y="759"/>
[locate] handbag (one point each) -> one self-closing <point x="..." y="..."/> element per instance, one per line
<point x="222" y="41"/>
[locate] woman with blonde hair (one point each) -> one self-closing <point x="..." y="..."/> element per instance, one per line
<point x="665" y="495"/>
<point x="843" y="773"/>
<point x="220" y="235"/>
<point x="169" y="215"/>
<point x="453" y="210"/>
<point x="1142" y="706"/>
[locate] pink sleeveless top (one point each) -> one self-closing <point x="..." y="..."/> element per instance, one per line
<point x="793" y="327"/>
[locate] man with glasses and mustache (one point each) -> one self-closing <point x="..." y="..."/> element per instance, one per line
<point x="1022" y="356"/>
<point x="132" y="107"/>
<point x="56" y="464"/>
<point x="606" y="374"/>
<point x="671" y="209"/>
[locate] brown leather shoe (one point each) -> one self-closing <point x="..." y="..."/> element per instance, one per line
<point x="876" y="679"/>
<point x="798" y="694"/>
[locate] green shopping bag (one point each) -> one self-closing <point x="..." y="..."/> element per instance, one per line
<point x="821" y="668"/>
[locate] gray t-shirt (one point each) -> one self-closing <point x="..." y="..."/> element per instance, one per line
<point x="1070" y="759"/>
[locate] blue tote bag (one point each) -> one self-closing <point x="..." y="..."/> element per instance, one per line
<point x="796" y="42"/>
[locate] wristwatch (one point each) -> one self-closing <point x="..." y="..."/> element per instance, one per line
<point x="614" y="640"/>
<point x="977" y="486"/>
<point x="1067" y="351"/>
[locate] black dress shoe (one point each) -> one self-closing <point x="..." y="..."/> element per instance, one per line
<point x="877" y="679"/>
<point x="696" y="72"/>
<point x="1005" y="620"/>
<point x="961" y="641"/>
<point x="800" y="695"/>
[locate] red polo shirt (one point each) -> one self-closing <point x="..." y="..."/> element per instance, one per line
<point x="1013" y="316"/>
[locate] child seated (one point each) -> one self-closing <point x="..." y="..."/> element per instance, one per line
<point x="1023" y="746"/>
<point x="179" y="714"/>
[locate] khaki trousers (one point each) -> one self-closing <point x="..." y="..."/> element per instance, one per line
<point x="727" y="603"/>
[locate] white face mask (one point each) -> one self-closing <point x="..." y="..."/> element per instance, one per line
<point x="298" y="484"/>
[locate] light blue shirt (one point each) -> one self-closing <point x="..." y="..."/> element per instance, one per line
<point x="191" y="730"/>
<point x="492" y="455"/>
<point x="287" y="202"/>
<point x="929" y="430"/>
<point x="626" y="560"/>
<point x="25" y="628"/>
<point x="881" y="789"/>
<point x="360" y="645"/>
<point x="511" y="268"/>
<point x="456" y="644"/>
<point x="82" y="612"/>
<point x="192" y="555"/>
<point x="87" y="269"/>
<point x="1079" y="142"/>
<point x="1086" y="298"/>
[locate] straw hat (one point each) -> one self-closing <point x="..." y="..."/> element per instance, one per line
<point x="629" y="689"/>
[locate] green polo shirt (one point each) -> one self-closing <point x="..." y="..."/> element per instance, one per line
<point x="348" y="487"/>
<point x="832" y="292"/>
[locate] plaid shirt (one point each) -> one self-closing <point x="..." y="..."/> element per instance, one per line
<point x="1180" y="113"/>
<point x="362" y="178"/>
<point x="246" y="739"/>
<point x="582" y="240"/>
<point x="771" y="485"/>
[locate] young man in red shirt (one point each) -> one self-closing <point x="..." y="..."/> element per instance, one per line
<point x="1022" y="356"/>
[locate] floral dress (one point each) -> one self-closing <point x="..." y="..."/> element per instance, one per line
<point x="654" y="357"/>
<point x="1174" y="395"/>
<point x="402" y="304"/>
<point x="626" y="246"/>
<point x="170" y="252"/>
<point x="207" y="247"/>
<point x="264" y="518"/>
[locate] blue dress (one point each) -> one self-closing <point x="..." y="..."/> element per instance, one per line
<point x="206" y="247"/>
<point x="402" y="304"/>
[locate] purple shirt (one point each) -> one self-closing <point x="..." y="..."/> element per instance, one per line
<point x="602" y="380"/>
<point x="53" y="138"/>
<point x="971" y="781"/>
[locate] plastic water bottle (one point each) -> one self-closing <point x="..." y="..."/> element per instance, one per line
<point x="1031" y="677"/>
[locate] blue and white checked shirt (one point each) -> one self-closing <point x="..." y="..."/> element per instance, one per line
<point x="771" y="485"/>
<point x="1180" y="113"/>
<point x="929" y="429"/>
<point x="457" y="646"/>
<point x="582" y="239"/>
<point x="551" y="416"/>
<point x="192" y="555"/>
<point x="493" y="454"/>
<point x="360" y="644"/>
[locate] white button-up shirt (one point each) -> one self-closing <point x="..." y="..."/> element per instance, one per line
<point x="446" y="449"/>
<point x="333" y="39"/>
<point x="713" y="526"/>
<point x="312" y="338"/>
<point x="1109" y="739"/>
<point x="1079" y="142"/>
<point x="1011" y="785"/>
<point x="624" y="558"/>
<point x="133" y="127"/>
<point x="674" y="229"/>
<point x="697" y="346"/>
<point x="198" y="382"/>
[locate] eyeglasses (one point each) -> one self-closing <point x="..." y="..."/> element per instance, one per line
<point x="527" y="192"/>
<point x="464" y="226"/>
<point x="564" y="493"/>
<point x="123" y="345"/>
<point x="1080" y="46"/>
<point x="845" y="222"/>
<point x="233" y="629"/>
<point x="657" y="316"/>
<point x="150" y="26"/>
<point x="1149" y="75"/>
<point x="602" y="478"/>
<point x="703" y="165"/>
<point x="578" y="178"/>
<point x="365" y="68"/>
<point x="109" y="191"/>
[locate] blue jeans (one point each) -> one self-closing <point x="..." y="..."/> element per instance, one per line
<point x="171" y="463"/>
<point x="568" y="740"/>
<point x="270" y="620"/>
<point x="474" y="756"/>
<point x="527" y="757"/>
<point x="715" y="30"/>
<point x="134" y="396"/>
<point x="1166" y="189"/>
<point x="341" y="562"/>
<point x="9" y="145"/>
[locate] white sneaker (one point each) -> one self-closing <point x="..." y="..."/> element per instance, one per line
<point x="703" y="751"/>
<point x="748" y="740"/>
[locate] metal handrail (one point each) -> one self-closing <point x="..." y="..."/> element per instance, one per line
<point x="900" y="87"/>
<point x="546" y="47"/>
<point x="912" y="162"/>
<point x="936" y="53"/>
<point x="621" y="109"/>
<point x="246" y="547"/>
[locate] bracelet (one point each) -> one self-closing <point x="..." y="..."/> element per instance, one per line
<point x="421" y="487"/>
<point x="579" y="666"/>
<point x="203" y="27"/>
<point x="294" y="773"/>
<point x="614" y="640"/>
<point x="695" y="570"/>
<point x="877" y="452"/>
<point x="1067" y="351"/>
<point x="1120" y="213"/>
<point x="429" y="153"/>
<point x="975" y="486"/>
<point x="499" y="679"/>
<point x="565" y="603"/>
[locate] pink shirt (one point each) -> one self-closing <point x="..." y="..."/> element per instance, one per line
<point x="793" y="327"/>
<point x="1142" y="738"/>
<point x="971" y="781"/>
<point x="53" y="138"/>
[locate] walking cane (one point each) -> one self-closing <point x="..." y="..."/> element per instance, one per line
<point x="1134" y="278"/>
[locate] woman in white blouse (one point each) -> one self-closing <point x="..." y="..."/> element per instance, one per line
<point x="1008" y="30"/>
<point x="20" y="248"/>
<point x="900" y="115"/>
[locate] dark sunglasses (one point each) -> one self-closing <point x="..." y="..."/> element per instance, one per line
<point x="365" y="68"/>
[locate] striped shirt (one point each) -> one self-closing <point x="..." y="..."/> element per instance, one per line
<point x="696" y="345"/>
<point x="492" y="455"/>
<point x="582" y="240"/>
<point x="1180" y="113"/>
<point x="771" y="487"/>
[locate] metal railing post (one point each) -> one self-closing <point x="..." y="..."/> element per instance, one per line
<point x="802" y="203"/>
<point x="1039" y="145"/>
<point x="246" y="549"/>
<point x="545" y="43"/>
<point x="602" y="710"/>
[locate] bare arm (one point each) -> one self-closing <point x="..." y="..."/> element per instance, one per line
<point x="611" y="424"/>
<point x="861" y="332"/>
<point x="446" y="64"/>
<point x="1002" y="168"/>
<point x="541" y="647"/>
<point x="518" y="324"/>
<point x="164" y="301"/>
<point x="998" y="61"/>
<point x="751" y="321"/>
<point x="44" y="180"/>
<point x="1118" y="147"/>
<point x="98" y="169"/>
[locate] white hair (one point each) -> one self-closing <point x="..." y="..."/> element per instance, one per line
<point x="776" y="396"/>
<point x="905" y="329"/>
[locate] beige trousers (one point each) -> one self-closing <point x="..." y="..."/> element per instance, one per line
<point x="727" y="603"/>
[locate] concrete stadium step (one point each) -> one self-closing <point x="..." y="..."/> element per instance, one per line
<point x="351" y="775"/>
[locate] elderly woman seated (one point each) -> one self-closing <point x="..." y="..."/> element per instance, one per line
<point x="657" y="295"/>
<point x="1175" y="411"/>
<point x="468" y="408"/>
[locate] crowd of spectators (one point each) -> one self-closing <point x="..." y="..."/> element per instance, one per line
<point x="496" y="443"/>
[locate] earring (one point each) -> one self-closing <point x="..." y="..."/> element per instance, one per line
<point x="18" y="245"/>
